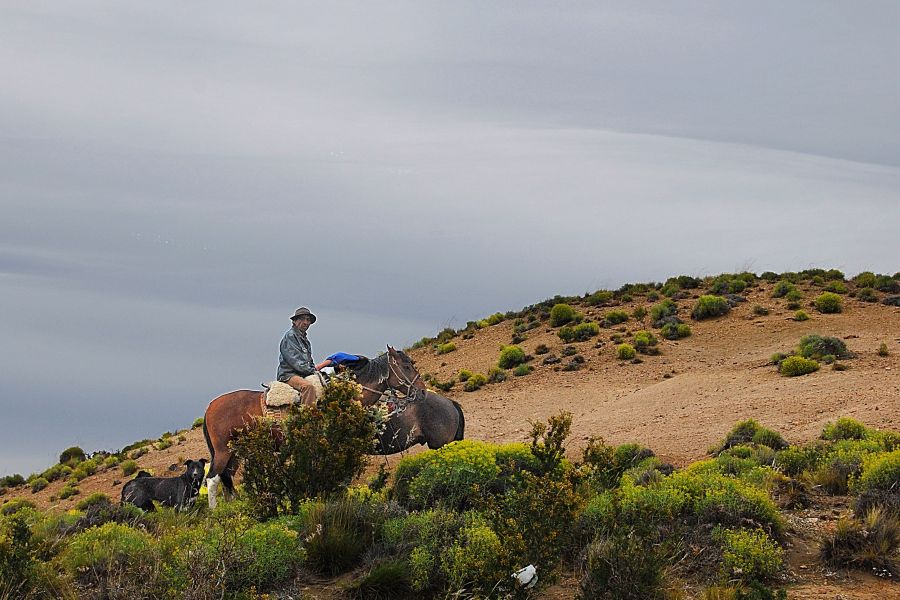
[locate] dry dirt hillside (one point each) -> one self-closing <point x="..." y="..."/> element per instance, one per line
<point x="679" y="402"/>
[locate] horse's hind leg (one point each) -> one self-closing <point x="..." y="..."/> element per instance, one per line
<point x="217" y="473"/>
<point x="228" y="474"/>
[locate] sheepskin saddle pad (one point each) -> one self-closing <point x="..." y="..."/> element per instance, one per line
<point x="281" y="394"/>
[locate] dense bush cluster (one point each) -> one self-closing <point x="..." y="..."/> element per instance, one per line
<point x="318" y="450"/>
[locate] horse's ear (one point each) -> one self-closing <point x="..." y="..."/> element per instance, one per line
<point x="203" y="461"/>
<point x="390" y="348"/>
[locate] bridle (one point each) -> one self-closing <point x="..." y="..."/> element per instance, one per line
<point x="412" y="393"/>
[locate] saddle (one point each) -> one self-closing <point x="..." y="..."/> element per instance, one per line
<point x="280" y="396"/>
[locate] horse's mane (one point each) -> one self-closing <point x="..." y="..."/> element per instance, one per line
<point x="371" y="371"/>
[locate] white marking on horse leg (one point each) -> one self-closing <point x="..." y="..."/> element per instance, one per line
<point x="211" y="484"/>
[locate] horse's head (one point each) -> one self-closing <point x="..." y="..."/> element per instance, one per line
<point x="403" y="375"/>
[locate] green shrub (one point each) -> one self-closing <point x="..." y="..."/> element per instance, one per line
<point x="817" y="347"/>
<point x="793" y="297"/>
<point x="16" y="565"/>
<point x="83" y="470"/>
<point x="446" y="348"/>
<point x="475" y="382"/>
<point x="696" y="496"/>
<point x="614" y="317"/>
<point x="579" y="333"/>
<point x="496" y="375"/>
<point x="794" y="460"/>
<point x="108" y="553"/>
<point x="673" y="331"/>
<point x="828" y="302"/>
<point x="69" y="490"/>
<point x="472" y="557"/>
<point x="454" y="474"/>
<point x="845" y="428"/>
<point x="622" y="566"/>
<point x="625" y="352"/>
<point x="883" y="350"/>
<point x="561" y="314"/>
<point x="782" y="288"/>
<point x="322" y="448"/>
<point x="748" y="431"/>
<point x="880" y="472"/>
<point x="38" y="484"/>
<point x="760" y="311"/>
<point x="885" y="283"/>
<point x="841" y="465"/>
<point x="644" y="342"/>
<point x="198" y="422"/>
<point x="867" y="295"/>
<point x="522" y="370"/>
<point x="639" y="313"/>
<point x="110" y="461"/>
<point x="129" y="467"/>
<point x="801" y="316"/>
<point x="13" y="506"/>
<point x="870" y="544"/>
<point x="836" y="287"/>
<point x="389" y="578"/>
<point x="464" y="375"/>
<point x="599" y="298"/>
<point x="11" y="480"/>
<point x="793" y="366"/>
<point x="666" y="308"/>
<point x="72" y="456"/>
<point x="710" y="306"/>
<point x="337" y="536"/>
<point x="511" y="356"/>
<point x="748" y="554"/>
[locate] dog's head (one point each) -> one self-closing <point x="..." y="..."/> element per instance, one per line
<point x="195" y="471"/>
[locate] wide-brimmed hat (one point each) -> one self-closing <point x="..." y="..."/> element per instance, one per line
<point x="303" y="312"/>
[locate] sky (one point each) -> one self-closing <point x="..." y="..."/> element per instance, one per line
<point x="177" y="177"/>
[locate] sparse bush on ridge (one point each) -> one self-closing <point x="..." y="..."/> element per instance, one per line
<point x="782" y="288"/>
<point x="445" y="348"/>
<point x="561" y="314"/>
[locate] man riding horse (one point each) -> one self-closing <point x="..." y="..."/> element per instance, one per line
<point x="295" y="359"/>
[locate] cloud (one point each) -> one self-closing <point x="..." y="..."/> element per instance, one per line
<point x="175" y="180"/>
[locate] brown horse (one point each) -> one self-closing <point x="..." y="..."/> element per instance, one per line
<point x="229" y="413"/>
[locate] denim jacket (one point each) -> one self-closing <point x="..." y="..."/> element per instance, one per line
<point x="296" y="356"/>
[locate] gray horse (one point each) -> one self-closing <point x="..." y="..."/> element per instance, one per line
<point x="421" y="418"/>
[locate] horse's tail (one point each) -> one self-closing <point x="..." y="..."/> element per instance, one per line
<point x="460" y="429"/>
<point x="212" y="451"/>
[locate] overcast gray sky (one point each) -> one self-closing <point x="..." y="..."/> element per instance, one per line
<point x="177" y="177"/>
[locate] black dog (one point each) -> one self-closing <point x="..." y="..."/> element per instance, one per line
<point x="177" y="492"/>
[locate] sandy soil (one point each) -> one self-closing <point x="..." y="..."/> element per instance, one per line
<point x="678" y="403"/>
